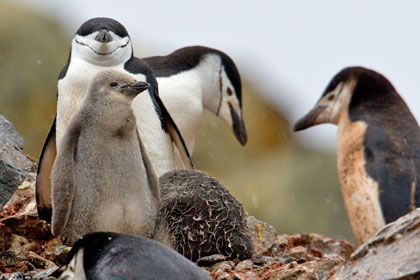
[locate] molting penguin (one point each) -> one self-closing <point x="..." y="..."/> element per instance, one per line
<point x="106" y="255"/>
<point x="198" y="217"/>
<point x="100" y="44"/>
<point x="378" y="148"/>
<point x="102" y="179"/>
<point x="195" y="77"/>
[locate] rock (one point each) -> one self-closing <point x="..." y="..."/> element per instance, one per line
<point x="59" y="255"/>
<point x="317" y="246"/>
<point x="392" y="253"/>
<point x="244" y="265"/>
<point x="14" y="166"/>
<point x="7" y="258"/>
<point x="39" y="261"/>
<point x="263" y="235"/>
<point x="44" y="274"/>
<point x="12" y="276"/>
<point x="319" y="269"/>
<point x="210" y="260"/>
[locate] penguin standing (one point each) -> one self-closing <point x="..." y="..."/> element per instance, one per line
<point x="106" y="255"/>
<point x="378" y="160"/>
<point x="195" y="77"/>
<point x="100" y="44"/>
<point x="102" y="179"/>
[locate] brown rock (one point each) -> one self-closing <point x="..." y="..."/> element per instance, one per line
<point x="318" y="246"/>
<point x="392" y="253"/>
<point x="263" y="235"/>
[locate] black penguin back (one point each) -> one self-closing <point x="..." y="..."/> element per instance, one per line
<point x="391" y="143"/>
<point x="109" y="255"/>
<point x="187" y="58"/>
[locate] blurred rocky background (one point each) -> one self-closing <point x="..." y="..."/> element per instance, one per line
<point x="277" y="179"/>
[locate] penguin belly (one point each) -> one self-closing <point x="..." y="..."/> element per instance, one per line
<point x="157" y="142"/>
<point x="72" y="91"/>
<point x="182" y="96"/>
<point x="360" y="192"/>
<point x="111" y="190"/>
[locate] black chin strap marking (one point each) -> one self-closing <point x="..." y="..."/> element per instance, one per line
<point x="220" y="90"/>
<point x="83" y="44"/>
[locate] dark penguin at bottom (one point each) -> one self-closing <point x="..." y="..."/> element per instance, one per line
<point x="106" y="255"/>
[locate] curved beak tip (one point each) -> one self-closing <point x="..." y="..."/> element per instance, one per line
<point x="298" y="126"/>
<point x="141" y="86"/>
<point x="310" y="119"/>
<point x="242" y="137"/>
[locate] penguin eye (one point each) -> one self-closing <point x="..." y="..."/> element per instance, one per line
<point x="113" y="84"/>
<point x="331" y="97"/>
<point x="229" y="91"/>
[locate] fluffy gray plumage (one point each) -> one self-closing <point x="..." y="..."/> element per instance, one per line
<point x="102" y="179"/>
<point x="199" y="217"/>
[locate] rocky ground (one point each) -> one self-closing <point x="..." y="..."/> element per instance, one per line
<point x="29" y="251"/>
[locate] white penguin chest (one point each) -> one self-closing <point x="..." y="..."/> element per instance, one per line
<point x="72" y="91"/>
<point x="182" y="96"/>
<point x="360" y="192"/>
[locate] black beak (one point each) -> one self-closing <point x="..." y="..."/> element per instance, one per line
<point x="309" y="119"/>
<point x="238" y="126"/>
<point x="136" y="88"/>
<point x="103" y="36"/>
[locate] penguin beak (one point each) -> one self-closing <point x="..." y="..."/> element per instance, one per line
<point x="103" y="36"/>
<point x="310" y="119"/>
<point x="238" y="126"/>
<point x="134" y="89"/>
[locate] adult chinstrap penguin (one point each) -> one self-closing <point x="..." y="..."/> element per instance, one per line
<point x="106" y="255"/>
<point x="101" y="44"/>
<point x="197" y="77"/>
<point x="378" y="154"/>
<point x="102" y="179"/>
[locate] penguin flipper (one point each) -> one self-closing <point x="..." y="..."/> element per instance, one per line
<point x="150" y="173"/>
<point x="43" y="180"/>
<point x="176" y="135"/>
<point x="398" y="183"/>
<point x="62" y="178"/>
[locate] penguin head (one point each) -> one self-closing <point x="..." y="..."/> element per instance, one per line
<point x="230" y="98"/>
<point x="84" y="255"/>
<point x="348" y="88"/>
<point x="117" y="85"/>
<point x="222" y="90"/>
<point x="102" y="41"/>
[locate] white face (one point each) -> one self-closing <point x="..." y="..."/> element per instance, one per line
<point x="227" y="96"/>
<point x="74" y="269"/>
<point x="335" y="101"/>
<point x="115" y="52"/>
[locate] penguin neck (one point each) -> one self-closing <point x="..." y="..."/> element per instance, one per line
<point x="209" y="71"/>
<point x="114" y="113"/>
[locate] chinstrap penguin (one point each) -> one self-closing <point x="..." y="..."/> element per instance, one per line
<point x="100" y="44"/>
<point x="198" y="217"/>
<point x="102" y="179"/>
<point x="106" y="255"/>
<point x="378" y="154"/>
<point x="196" y="77"/>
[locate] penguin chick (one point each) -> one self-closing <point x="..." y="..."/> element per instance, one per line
<point x="106" y="255"/>
<point x="198" y="217"/>
<point x="195" y="77"/>
<point x="104" y="44"/>
<point x="102" y="179"/>
<point x="378" y="161"/>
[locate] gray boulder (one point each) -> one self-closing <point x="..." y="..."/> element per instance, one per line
<point x="14" y="165"/>
<point x="393" y="253"/>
